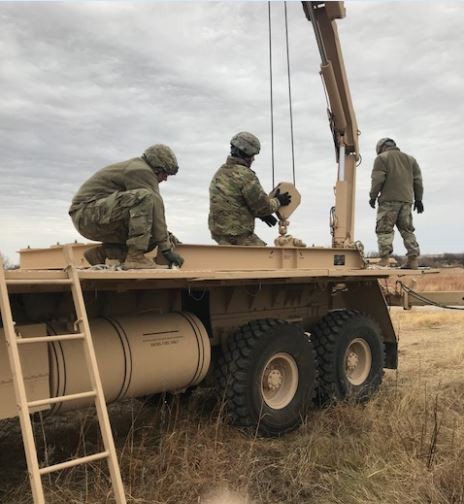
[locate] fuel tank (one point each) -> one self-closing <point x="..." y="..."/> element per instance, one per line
<point x="136" y="355"/>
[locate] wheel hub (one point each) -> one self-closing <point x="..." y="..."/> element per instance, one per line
<point x="358" y="361"/>
<point x="279" y="380"/>
<point x="352" y="361"/>
<point x="274" y="379"/>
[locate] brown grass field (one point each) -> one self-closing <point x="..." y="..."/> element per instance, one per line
<point x="405" y="446"/>
<point x="446" y="279"/>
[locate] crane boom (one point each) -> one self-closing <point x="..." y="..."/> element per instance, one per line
<point x="342" y="119"/>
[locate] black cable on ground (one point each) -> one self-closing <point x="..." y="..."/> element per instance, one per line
<point x="425" y="300"/>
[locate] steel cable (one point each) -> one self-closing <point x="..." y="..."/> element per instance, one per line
<point x="289" y="93"/>
<point x="271" y="92"/>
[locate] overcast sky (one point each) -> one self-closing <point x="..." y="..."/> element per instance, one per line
<point x="86" y="84"/>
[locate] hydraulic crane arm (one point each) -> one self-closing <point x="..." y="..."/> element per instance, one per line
<point x="342" y="118"/>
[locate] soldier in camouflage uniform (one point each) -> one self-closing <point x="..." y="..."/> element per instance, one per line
<point x="397" y="177"/>
<point x="237" y="198"/>
<point x="121" y="206"/>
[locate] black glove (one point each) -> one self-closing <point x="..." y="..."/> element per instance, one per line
<point x="284" y="199"/>
<point x="173" y="258"/>
<point x="372" y="202"/>
<point x="419" y="206"/>
<point x="270" y="220"/>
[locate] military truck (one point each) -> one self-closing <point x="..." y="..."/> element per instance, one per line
<point x="274" y="329"/>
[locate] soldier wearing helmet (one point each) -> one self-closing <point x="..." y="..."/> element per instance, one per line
<point x="237" y="197"/>
<point x="121" y="206"/>
<point x="397" y="183"/>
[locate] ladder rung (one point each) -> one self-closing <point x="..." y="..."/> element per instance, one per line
<point x="72" y="280"/>
<point x="74" y="462"/>
<point x="54" y="400"/>
<point x="45" y="281"/>
<point x="50" y="339"/>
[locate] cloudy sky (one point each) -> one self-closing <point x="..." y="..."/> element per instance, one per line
<point x="86" y="84"/>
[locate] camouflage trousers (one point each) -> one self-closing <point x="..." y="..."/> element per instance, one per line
<point x="245" y="239"/>
<point x="123" y="218"/>
<point x="399" y="214"/>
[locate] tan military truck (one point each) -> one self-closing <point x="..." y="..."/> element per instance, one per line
<point x="275" y="329"/>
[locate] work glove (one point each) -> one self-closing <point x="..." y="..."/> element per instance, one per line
<point x="418" y="206"/>
<point x="270" y="220"/>
<point x="372" y="202"/>
<point x="173" y="258"/>
<point x="284" y="198"/>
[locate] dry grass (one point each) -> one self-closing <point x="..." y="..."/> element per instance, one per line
<point x="406" y="446"/>
<point x="445" y="279"/>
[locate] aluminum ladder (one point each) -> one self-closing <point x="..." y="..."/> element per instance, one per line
<point x="14" y="340"/>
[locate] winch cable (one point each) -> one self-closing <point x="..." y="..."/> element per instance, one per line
<point x="290" y="101"/>
<point x="424" y="299"/>
<point x="271" y="92"/>
<point x="290" y="93"/>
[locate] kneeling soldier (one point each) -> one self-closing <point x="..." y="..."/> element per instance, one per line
<point x="121" y="206"/>
<point x="236" y="196"/>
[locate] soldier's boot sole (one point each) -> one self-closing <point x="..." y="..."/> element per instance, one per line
<point x="95" y="255"/>
<point x="128" y="265"/>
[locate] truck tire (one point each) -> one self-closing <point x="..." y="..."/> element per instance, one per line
<point x="350" y="356"/>
<point x="266" y="376"/>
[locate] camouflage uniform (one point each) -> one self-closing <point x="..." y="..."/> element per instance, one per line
<point x="236" y="198"/>
<point x="397" y="177"/>
<point x="121" y="204"/>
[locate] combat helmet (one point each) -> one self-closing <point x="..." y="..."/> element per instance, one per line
<point x="161" y="157"/>
<point x="246" y="142"/>
<point x="384" y="142"/>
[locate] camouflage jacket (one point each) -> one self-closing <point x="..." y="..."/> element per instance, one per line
<point x="397" y="177"/>
<point x="235" y="198"/>
<point x="125" y="176"/>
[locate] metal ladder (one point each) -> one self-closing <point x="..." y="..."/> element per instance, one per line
<point x="14" y="340"/>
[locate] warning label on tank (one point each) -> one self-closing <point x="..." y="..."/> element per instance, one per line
<point x="162" y="338"/>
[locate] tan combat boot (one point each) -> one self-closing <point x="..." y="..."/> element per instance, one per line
<point x="95" y="255"/>
<point x="384" y="261"/>
<point x="115" y="251"/>
<point x="411" y="263"/>
<point x="136" y="260"/>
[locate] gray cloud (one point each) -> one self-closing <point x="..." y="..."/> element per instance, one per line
<point x="85" y="84"/>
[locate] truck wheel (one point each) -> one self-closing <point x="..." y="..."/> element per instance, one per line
<point x="266" y="376"/>
<point x="350" y="355"/>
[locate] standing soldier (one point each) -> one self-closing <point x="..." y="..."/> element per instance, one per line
<point x="121" y="206"/>
<point x="397" y="177"/>
<point x="236" y="197"/>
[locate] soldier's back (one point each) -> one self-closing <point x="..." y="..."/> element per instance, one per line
<point x="228" y="212"/>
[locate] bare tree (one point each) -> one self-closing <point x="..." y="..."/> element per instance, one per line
<point x="6" y="262"/>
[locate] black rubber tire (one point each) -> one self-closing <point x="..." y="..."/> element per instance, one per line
<point x="331" y="338"/>
<point x="239" y="373"/>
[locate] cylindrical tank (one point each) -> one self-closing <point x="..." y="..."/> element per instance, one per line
<point x="137" y="355"/>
